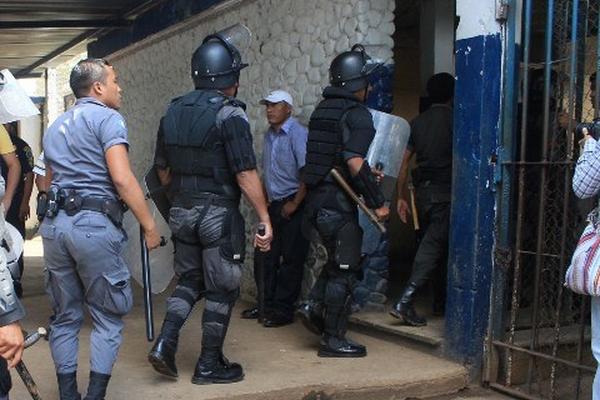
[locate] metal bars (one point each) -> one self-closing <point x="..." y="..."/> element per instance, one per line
<point x="542" y="350"/>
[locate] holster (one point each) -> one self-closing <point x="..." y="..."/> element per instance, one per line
<point x="42" y="205"/>
<point x="54" y="201"/>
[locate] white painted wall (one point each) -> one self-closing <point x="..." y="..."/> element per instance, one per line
<point x="477" y="17"/>
<point x="437" y="35"/>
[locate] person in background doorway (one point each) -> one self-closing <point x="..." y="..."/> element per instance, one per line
<point x="431" y="142"/>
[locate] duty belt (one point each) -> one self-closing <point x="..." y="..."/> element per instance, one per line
<point x="73" y="203"/>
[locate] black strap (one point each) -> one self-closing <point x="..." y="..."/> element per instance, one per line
<point x="194" y="199"/>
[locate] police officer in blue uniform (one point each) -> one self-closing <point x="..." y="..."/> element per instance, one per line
<point x="86" y="154"/>
<point x="204" y="154"/>
<point x="340" y="133"/>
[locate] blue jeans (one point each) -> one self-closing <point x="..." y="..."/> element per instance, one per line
<point x="596" y="344"/>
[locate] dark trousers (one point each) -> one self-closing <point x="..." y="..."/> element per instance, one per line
<point x="284" y="264"/>
<point x="334" y="285"/>
<point x="432" y="253"/>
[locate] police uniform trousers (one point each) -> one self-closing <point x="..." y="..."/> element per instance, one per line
<point x="433" y="204"/>
<point x="84" y="262"/>
<point x="284" y="263"/>
<point x="337" y="225"/>
<point x="204" y="267"/>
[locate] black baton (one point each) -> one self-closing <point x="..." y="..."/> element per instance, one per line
<point x="259" y="259"/>
<point x="22" y="369"/>
<point x="147" y="288"/>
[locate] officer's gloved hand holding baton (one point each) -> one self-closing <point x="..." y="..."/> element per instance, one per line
<point x="382" y="213"/>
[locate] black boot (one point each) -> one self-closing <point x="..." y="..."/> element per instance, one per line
<point x="311" y="315"/>
<point x="404" y="309"/>
<point x="162" y="355"/>
<point x="67" y="386"/>
<point x="333" y="342"/>
<point x="332" y="346"/>
<point x="97" y="386"/>
<point x="213" y="367"/>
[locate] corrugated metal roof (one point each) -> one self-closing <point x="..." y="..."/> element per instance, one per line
<point x="38" y="33"/>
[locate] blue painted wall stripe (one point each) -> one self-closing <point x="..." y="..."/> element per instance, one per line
<point x="476" y="132"/>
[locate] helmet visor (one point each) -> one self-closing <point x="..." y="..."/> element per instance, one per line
<point x="237" y="40"/>
<point x="238" y="36"/>
<point x="374" y="56"/>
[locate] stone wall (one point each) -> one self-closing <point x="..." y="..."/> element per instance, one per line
<point x="292" y="46"/>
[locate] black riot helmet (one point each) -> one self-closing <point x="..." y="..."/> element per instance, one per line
<point x="217" y="63"/>
<point x="350" y="70"/>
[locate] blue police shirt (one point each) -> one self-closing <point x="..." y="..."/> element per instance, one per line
<point x="284" y="154"/>
<point x="75" y="145"/>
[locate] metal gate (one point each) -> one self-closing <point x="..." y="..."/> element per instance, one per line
<point x="539" y="341"/>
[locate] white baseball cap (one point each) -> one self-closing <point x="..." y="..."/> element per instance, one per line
<point x="277" y="96"/>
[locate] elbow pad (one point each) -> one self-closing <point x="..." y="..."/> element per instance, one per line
<point x="364" y="182"/>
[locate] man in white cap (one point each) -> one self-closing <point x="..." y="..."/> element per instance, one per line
<point x="284" y="151"/>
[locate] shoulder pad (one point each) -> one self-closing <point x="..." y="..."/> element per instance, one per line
<point x="232" y="101"/>
<point x="173" y="100"/>
<point x="217" y="100"/>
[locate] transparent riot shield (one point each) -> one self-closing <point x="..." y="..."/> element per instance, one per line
<point x="387" y="149"/>
<point x="161" y="259"/>
<point x="15" y="104"/>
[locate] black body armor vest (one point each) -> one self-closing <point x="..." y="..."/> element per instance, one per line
<point x="195" y="150"/>
<point x="326" y="140"/>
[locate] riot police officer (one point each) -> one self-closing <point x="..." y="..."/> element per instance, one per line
<point x="204" y="153"/>
<point x="340" y="132"/>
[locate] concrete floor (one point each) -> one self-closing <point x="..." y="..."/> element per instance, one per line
<point x="279" y="363"/>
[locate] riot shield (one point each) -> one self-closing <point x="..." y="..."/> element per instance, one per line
<point x="161" y="259"/>
<point x="387" y="148"/>
<point x="14" y="102"/>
